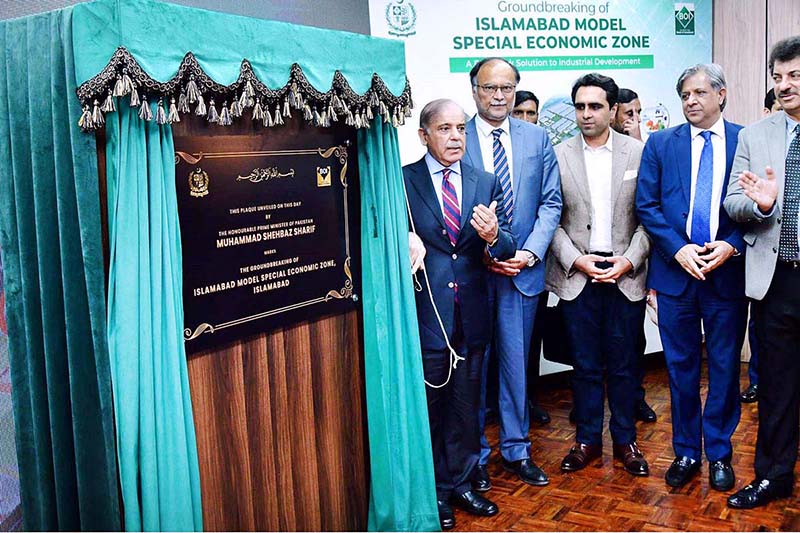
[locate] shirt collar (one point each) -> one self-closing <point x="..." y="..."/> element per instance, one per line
<point x="486" y="129"/>
<point x="791" y="124"/>
<point x="434" y="166"/>
<point x="717" y="129"/>
<point x="607" y="145"/>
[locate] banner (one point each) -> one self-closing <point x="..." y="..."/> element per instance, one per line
<point x="643" y="44"/>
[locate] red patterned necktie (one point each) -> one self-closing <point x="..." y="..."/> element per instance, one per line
<point x="450" y="208"/>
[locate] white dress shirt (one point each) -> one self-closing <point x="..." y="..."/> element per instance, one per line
<point x="598" y="171"/>
<point x="486" y="141"/>
<point x="718" y="172"/>
<point x="435" y="169"/>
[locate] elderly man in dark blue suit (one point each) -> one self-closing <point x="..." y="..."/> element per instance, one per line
<point x="698" y="272"/>
<point x="453" y="212"/>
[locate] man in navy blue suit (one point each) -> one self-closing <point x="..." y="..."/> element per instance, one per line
<point x="520" y="155"/>
<point x="698" y="271"/>
<point x="453" y="213"/>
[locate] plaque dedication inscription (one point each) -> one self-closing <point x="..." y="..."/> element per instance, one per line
<point x="266" y="235"/>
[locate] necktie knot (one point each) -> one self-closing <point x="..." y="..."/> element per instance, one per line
<point x="497" y="133"/>
<point x="446" y="174"/>
<point x="706" y="135"/>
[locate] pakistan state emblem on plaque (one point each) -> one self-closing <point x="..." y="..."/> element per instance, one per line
<point x="401" y="18"/>
<point x="198" y="183"/>
<point x="323" y="176"/>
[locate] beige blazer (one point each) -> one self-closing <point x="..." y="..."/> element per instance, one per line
<point x="760" y="145"/>
<point x="571" y="239"/>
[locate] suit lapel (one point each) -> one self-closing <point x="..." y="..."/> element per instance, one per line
<point x="619" y="163"/>
<point x="421" y="181"/>
<point x="577" y="165"/>
<point x="682" y="155"/>
<point x="474" y="157"/>
<point x="469" y="184"/>
<point x="776" y="144"/>
<point x="518" y="148"/>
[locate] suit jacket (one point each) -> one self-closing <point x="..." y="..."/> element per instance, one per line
<point x="662" y="203"/>
<point x="571" y="239"/>
<point x="446" y="264"/>
<point x="537" y="194"/>
<point x="761" y="144"/>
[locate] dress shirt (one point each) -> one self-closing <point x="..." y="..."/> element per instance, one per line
<point x="486" y="141"/>
<point x="435" y="169"/>
<point x="718" y="146"/>
<point x="598" y="163"/>
<point x="790" y="126"/>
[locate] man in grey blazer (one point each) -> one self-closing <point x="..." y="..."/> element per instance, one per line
<point x="598" y="265"/>
<point x="766" y="198"/>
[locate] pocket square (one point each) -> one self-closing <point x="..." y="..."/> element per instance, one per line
<point x="630" y="175"/>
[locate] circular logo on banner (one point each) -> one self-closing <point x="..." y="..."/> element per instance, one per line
<point x="401" y="18"/>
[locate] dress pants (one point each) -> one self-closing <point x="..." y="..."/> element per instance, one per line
<point x="453" y="413"/>
<point x="603" y="329"/>
<point x="778" y="332"/>
<point x="724" y="321"/>
<point x="752" y="366"/>
<point x="513" y="314"/>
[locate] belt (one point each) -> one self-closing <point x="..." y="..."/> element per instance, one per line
<point x="794" y="265"/>
<point x="603" y="254"/>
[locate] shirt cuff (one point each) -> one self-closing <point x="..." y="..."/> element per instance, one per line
<point x="761" y="216"/>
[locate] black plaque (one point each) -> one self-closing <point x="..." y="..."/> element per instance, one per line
<point x="266" y="232"/>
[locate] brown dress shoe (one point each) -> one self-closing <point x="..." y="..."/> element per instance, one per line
<point x="632" y="458"/>
<point x="580" y="455"/>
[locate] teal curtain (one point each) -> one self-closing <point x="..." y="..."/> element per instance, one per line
<point x="159" y="472"/>
<point x="402" y="487"/>
<point x="50" y="233"/>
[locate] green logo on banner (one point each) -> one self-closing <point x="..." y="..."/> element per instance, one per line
<point x="684" y="19"/>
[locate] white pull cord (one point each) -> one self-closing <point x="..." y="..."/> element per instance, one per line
<point x="454" y="357"/>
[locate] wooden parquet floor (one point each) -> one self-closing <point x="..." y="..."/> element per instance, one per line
<point x="603" y="497"/>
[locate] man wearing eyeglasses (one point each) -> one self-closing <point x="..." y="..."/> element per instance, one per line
<point x="522" y="158"/>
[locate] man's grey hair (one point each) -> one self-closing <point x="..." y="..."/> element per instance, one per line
<point x="716" y="76"/>
<point x="432" y="110"/>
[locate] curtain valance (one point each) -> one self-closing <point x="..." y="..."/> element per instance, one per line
<point x="221" y="67"/>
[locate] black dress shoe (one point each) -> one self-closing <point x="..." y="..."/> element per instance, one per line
<point x="580" y="455"/>
<point x="474" y="503"/>
<point x="539" y="416"/>
<point x="632" y="459"/>
<point x="749" y="395"/>
<point x="644" y="413"/>
<point x="527" y="471"/>
<point x="446" y="518"/>
<point x="759" y="492"/>
<point x="721" y="476"/>
<point x="682" y="470"/>
<point x="480" y="479"/>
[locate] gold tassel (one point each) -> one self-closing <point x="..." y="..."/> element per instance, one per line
<point x="97" y="115"/>
<point x="287" y="112"/>
<point x="278" y="117"/>
<point x="236" y="109"/>
<point x="135" y="97"/>
<point x="145" y="113"/>
<point x="212" y="116"/>
<point x="373" y="99"/>
<point x="267" y="118"/>
<point x="332" y="113"/>
<point x="370" y="116"/>
<point x="173" y="116"/>
<point x="108" y="105"/>
<point x="258" y="113"/>
<point x="248" y="89"/>
<point x="192" y="92"/>
<point x="200" y="111"/>
<point x="183" y="104"/>
<point x="85" y="122"/>
<point x="224" y="115"/>
<point x="161" y="115"/>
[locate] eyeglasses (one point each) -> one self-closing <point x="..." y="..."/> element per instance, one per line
<point x="491" y="89"/>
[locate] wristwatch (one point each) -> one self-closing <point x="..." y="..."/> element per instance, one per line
<point x="532" y="259"/>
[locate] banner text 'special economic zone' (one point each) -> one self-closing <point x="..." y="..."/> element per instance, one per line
<point x="465" y="64"/>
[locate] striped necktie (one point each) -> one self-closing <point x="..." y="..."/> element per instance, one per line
<point x="788" y="247"/>
<point x="502" y="173"/>
<point x="701" y="211"/>
<point x="450" y="208"/>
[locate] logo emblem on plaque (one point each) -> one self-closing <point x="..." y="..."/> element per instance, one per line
<point x="198" y="183"/>
<point x="323" y="176"/>
<point x="401" y="18"/>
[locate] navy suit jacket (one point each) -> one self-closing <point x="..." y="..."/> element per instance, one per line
<point x="462" y="263"/>
<point x="662" y="203"/>
<point x="537" y="194"/>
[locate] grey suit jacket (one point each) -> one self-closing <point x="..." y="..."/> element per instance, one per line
<point x="760" y="145"/>
<point x="571" y="239"/>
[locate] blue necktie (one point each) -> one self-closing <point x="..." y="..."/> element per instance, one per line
<point x="701" y="212"/>
<point x="502" y="173"/>
<point x="788" y="248"/>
